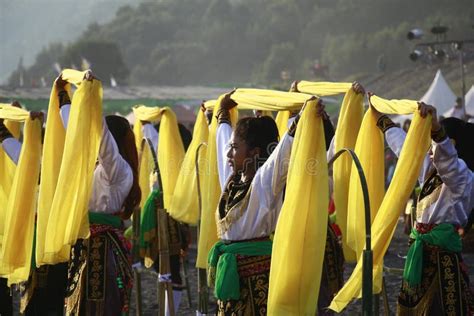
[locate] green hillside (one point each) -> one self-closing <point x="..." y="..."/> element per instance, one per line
<point x="251" y="42"/>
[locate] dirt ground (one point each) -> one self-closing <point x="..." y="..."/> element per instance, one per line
<point x="394" y="259"/>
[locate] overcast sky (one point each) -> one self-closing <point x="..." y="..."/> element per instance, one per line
<point x="26" y="26"/>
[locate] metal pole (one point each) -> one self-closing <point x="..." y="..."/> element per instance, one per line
<point x="367" y="259"/>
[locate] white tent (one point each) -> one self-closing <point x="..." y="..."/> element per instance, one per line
<point x="469" y="99"/>
<point x="440" y="94"/>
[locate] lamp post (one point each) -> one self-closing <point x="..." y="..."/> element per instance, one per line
<point x="441" y="49"/>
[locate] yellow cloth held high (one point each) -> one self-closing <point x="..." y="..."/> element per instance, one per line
<point x="185" y="204"/>
<point x="323" y="88"/>
<point x="170" y="153"/>
<point x="406" y="173"/>
<point x="295" y="291"/>
<point x="19" y="216"/>
<point x="67" y="170"/>
<point x="350" y="118"/>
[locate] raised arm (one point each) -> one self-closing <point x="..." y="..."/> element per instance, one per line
<point x="395" y="137"/>
<point x="224" y="132"/>
<point x="452" y="170"/>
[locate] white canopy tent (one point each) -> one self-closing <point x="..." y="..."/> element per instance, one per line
<point x="469" y="99"/>
<point x="440" y="94"/>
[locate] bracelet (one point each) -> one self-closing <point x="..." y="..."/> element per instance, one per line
<point x="223" y="116"/>
<point x="63" y="98"/>
<point x="384" y="123"/>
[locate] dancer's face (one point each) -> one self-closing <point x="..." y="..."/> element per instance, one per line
<point x="239" y="155"/>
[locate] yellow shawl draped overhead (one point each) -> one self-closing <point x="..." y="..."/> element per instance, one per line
<point x="7" y="170"/>
<point x="19" y="216"/>
<point x="323" y="89"/>
<point x="67" y="169"/>
<point x="370" y="151"/>
<point x="146" y="159"/>
<point x="406" y="173"/>
<point x="295" y="291"/>
<point x="350" y="118"/>
<point x="170" y="153"/>
<point x="185" y="204"/>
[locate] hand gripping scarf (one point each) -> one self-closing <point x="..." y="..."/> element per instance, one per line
<point x="406" y="173"/>
<point x="297" y="242"/>
<point x="67" y="170"/>
<point x="19" y="216"/>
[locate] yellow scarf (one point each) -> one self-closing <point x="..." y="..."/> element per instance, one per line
<point x="7" y="170"/>
<point x="19" y="217"/>
<point x="211" y="191"/>
<point x="370" y="151"/>
<point x="67" y="170"/>
<point x="247" y="99"/>
<point x="350" y="118"/>
<point x="323" y="88"/>
<point x="171" y="150"/>
<point x="185" y="205"/>
<point x="404" y="179"/>
<point x="295" y="291"/>
<point x="282" y="122"/>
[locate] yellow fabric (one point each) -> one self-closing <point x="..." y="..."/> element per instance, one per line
<point x="266" y="100"/>
<point x="302" y="223"/>
<point x="171" y="149"/>
<point x="210" y="194"/>
<point x="271" y="100"/>
<point x="350" y="118"/>
<point x="370" y="151"/>
<point x="282" y="122"/>
<point x="150" y="114"/>
<point x="185" y="205"/>
<point x="247" y="99"/>
<point x="323" y="88"/>
<point x="170" y="154"/>
<point x="67" y="169"/>
<point x="7" y="171"/>
<point x="18" y="222"/>
<point x="404" y="179"/>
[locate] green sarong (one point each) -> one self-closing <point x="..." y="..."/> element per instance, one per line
<point x="442" y="235"/>
<point x="222" y="262"/>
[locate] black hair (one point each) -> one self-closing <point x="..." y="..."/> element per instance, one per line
<point x="328" y="131"/>
<point x="258" y="132"/>
<point x="186" y="135"/>
<point x="125" y="140"/>
<point x="462" y="133"/>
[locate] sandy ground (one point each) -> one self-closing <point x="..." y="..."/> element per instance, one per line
<point x="393" y="259"/>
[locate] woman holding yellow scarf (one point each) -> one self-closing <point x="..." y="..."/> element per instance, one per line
<point x="12" y="147"/>
<point x="435" y="280"/>
<point x="100" y="275"/>
<point x="253" y="167"/>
